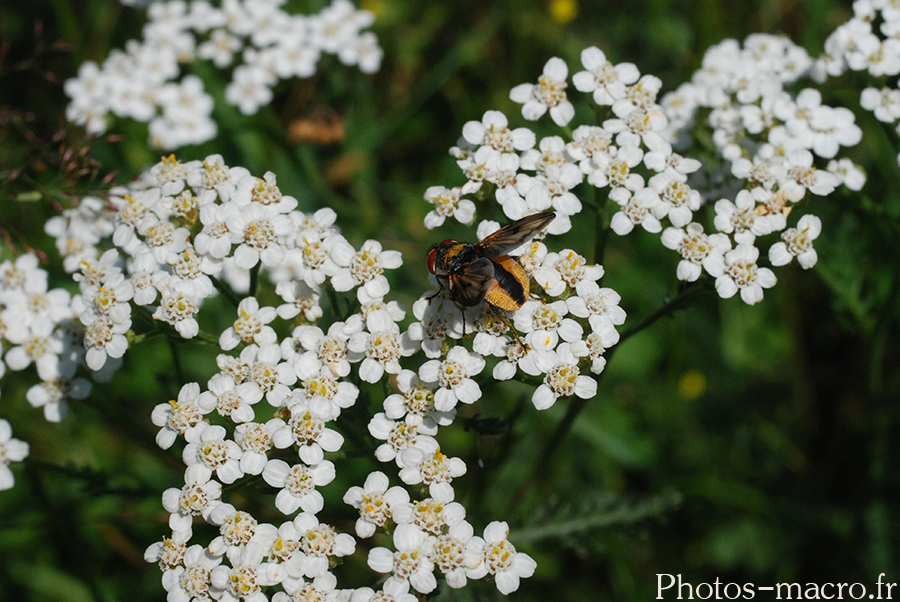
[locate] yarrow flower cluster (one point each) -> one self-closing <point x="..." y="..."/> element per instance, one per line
<point x="866" y="43"/>
<point x="40" y="328"/>
<point x="263" y="43"/>
<point x="775" y="142"/>
<point x="187" y="236"/>
<point x="310" y="331"/>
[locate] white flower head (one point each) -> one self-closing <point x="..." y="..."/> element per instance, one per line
<point x="297" y="484"/>
<point x="548" y="93"/>
<point x="493" y="130"/>
<point x="364" y="268"/>
<point x="740" y="273"/>
<point x="563" y="380"/>
<point x="605" y="81"/>
<point x="412" y="560"/>
<point x="11" y="450"/>
<point x="447" y="203"/>
<point x="308" y="431"/>
<point x="256" y="440"/>
<point x="320" y="541"/>
<point x="696" y="249"/>
<point x="454" y="378"/>
<point x="251" y="326"/>
<point x="501" y="559"/>
<point x="797" y="242"/>
<point x="177" y="416"/>
<point x="208" y="447"/>
<point x="424" y="463"/>
<point x="376" y="502"/>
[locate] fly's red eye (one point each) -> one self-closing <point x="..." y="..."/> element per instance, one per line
<point x="442" y="246"/>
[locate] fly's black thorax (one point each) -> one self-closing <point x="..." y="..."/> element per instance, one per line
<point x="443" y="256"/>
<point x="465" y="255"/>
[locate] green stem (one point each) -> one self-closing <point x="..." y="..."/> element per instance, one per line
<point x="685" y="296"/>
<point x="225" y="291"/>
<point x="254" y="279"/>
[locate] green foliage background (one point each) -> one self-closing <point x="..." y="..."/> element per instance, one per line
<point x="750" y="444"/>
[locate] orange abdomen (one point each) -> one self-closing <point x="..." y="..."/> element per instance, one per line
<point x="510" y="287"/>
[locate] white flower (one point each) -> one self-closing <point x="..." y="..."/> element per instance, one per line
<point x="545" y="323"/>
<point x="179" y="310"/>
<point x="493" y="131"/>
<point x="256" y="440"/>
<point x="382" y="344"/>
<point x="321" y="350"/>
<point x="103" y="338"/>
<point x="298" y="484"/>
<point x="316" y="249"/>
<point x="42" y="347"/>
<point x="306" y="429"/>
<point x="612" y="167"/>
<point x="190" y="578"/>
<point x="803" y="176"/>
<point x="572" y="269"/>
<point x="849" y="174"/>
<point x="563" y="380"/>
<point x="250" y="89"/>
<point x="272" y="375"/>
<point x="597" y="304"/>
<point x="739" y="272"/>
<point x="457" y="554"/>
<point x="230" y="400"/>
<point x="52" y="395"/>
<point x="199" y="496"/>
<point x="432" y="515"/>
<point x="365" y="268"/>
<point x="376" y="502"/>
<point x="424" y="463"/>
<point x="298" y="298"/>
<point x="454" y="378"/>
<point x="257" y="230"/>
<point x="177" y="416"/>
<point x="110" y="297"/>
<point x="319" y="542"/>
<point x="214" y="239"/>
<point x="208" y="447"/>
<point x="636" y="208"/>
<point x="11" y="450"/>
<point x="739" y="217"/>
<point x="797" y="242"/>
<point x="447" y="203"/>
<point x="548" y="93"/>
<point x="884" y="103"/>
<point x="251" y="325"/>
<point x="678" y="200"/>
<point x="416" y="402"/>
<point x="411" y="562"/>
<point x="323" y="384"/>
<point x="595" y="345"/>
<point x="519" y="355"/>
<point x="607" y="82"/>
<point x="393" y="590"/>
<point x="398" y="436"/>
<point x="502" y="560"/>
<point x="243" y="581"/>
<point x="696" y="248"/>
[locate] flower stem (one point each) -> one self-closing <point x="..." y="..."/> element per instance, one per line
<point x="225" y="291"/>
<point x="683" y="298"/>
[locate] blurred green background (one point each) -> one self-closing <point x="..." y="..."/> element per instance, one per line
<point x="749" y="444"/>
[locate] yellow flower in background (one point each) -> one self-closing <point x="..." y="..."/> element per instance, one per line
<point x="692" y="384"/>
<point x="563" y="11"/>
